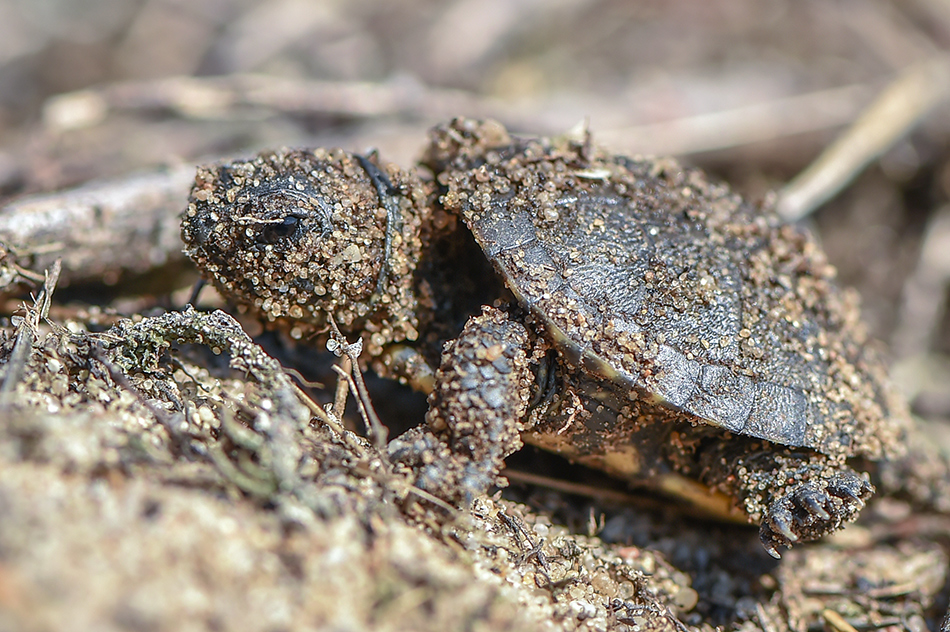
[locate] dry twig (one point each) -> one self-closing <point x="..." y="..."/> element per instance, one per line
<point x="26" y="333"/>
<point x="338" y="345"/>
<point x="895" y="112"/>
<point x="99" y="230"/>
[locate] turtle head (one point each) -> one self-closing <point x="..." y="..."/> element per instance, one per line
<point x="298" y="234"/>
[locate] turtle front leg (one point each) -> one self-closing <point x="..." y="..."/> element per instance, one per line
<point x="476" y="409"/>
<point x="795" y="496"/>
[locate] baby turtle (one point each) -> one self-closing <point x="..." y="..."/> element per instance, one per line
<point x="640" y="319"/>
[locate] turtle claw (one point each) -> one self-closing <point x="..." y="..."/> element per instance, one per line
<point x="813" y="509"/>
<point x="811" y="504"/>
<point x="777" y="529"/>
<point x="853" y="488"/>
<point x="781" y="522"/>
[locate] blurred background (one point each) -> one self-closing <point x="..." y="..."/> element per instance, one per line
<point x="176" y="79"/>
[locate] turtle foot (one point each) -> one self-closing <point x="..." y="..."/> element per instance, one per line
<point x="814" y="509"/>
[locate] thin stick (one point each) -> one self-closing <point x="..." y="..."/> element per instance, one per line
<point x="338" y="345"/>
<point x="376" y="429"/>
<point x="742" y="125"/>
<point x="330" y="420"/>
<point x="836" y="621"/>
<point x="580" y="489"/>
<point x="892" y="114"/>
<point x="26" y="331"/>
<point x="339" y="398"/>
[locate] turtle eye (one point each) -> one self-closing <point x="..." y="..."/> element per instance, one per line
<point x="284" y="229"/>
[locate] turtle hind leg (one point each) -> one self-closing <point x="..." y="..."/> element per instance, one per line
<point x="480" y="398"/>
<point x="813" y="509"/>
<point x="795" y="495"/>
